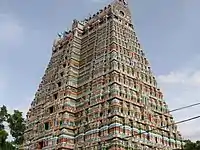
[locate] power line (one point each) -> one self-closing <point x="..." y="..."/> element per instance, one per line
<point x="181" y="108"/>
<point x="195" y="104"/>
<point x="172" y="123"/>
<point x="177" y="109"/>
<point x="179" y="122"/>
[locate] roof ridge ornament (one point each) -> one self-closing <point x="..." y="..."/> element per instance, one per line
<point x="125" y="2"/>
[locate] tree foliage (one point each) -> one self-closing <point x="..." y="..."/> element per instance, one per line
<point x="3" y="133"/>
<point x="189" y="145"/>
<point x="3" y="136"/>
<point x="3" y="116"/>
<point x="16" y="124"/>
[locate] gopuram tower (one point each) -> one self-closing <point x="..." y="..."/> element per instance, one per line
<point x="98" y="91"/>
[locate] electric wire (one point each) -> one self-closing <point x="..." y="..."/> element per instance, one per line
<point x="182" y="121"/>
<point x="179" y="122"/>
<point x="188" y="106"/>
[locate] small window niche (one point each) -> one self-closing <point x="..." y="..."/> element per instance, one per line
<point x="62" y="74"/>
<point x="55" y="96"/>
<point x="121" y="13"/>
<point x="51" y="109"/>
<point x="64" y="65"/>
<point x="41" y="144"/>
<point x="59" y="84"/>
<point x="46" y="126"/>
<point x="60" y="47"/>
<point x="61" y="122"/>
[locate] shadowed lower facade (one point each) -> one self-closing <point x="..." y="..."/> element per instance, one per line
<point x="98" y="91"/>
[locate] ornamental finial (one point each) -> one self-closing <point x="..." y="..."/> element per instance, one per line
<point x="125" y="2"/>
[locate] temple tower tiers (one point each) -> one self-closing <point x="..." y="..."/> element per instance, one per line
<point x="98" y="91"/>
